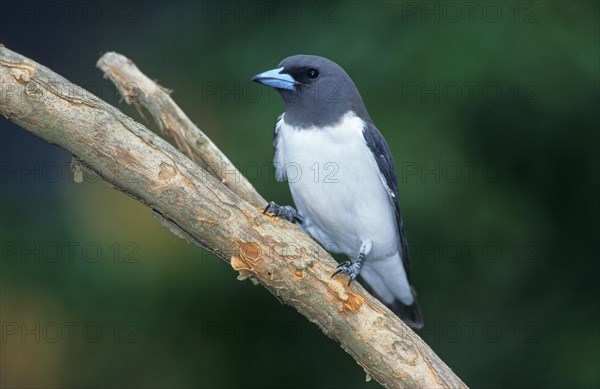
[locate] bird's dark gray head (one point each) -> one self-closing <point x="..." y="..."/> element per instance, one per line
<point x="315" y="91"/>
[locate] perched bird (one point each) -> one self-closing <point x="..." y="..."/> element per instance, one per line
<point x="342" y="177"/>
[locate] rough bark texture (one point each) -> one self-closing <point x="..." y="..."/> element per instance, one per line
<point x="139" y="90"/>
<point x="198" y="207"/>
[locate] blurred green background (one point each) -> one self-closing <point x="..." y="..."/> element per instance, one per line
<point x="490" y="108"/>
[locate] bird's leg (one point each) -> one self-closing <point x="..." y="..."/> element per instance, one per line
<point x="352" y="269"/>
<point x="284" y="211"/>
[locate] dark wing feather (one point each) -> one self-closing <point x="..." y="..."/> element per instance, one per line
<point x="383" y="156"/>
<point x="276" y="132"/>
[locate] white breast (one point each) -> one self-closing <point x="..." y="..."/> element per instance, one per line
<point x="336" y="186"/>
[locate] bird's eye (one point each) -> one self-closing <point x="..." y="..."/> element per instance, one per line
<point x="313" y="73"/>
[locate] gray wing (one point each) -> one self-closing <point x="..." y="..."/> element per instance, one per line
<point x="381" y="153"/>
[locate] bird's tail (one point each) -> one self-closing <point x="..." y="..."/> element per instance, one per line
<point x="410" y="314"/>
<point x="387" y="280"/>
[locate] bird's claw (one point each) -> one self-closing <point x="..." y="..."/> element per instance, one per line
<point x="284" y="211"/>
<point x="348" y="268"/>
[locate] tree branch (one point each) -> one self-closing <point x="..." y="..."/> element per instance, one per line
<point x="139" y="90"/>
<point x="198" y="207"/>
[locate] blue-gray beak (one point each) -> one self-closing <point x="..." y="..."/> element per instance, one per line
<point x="275" y="79"/>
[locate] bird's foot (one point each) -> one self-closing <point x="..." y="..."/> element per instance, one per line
<point x="348" y="268"/>
<point x="352" y="269"/>
<point x="284" y="211"/>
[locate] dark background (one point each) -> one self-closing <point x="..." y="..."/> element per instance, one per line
<point x="490" y="109"/>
